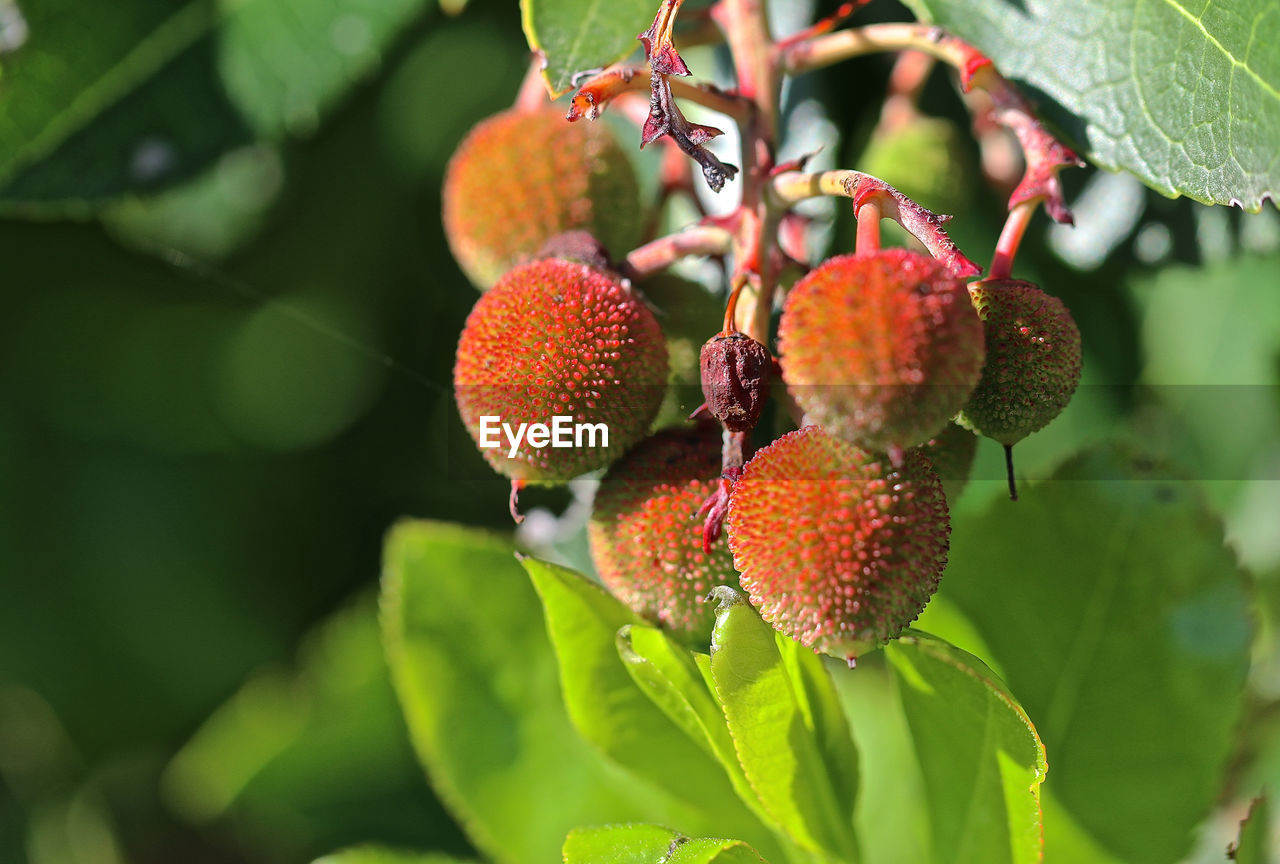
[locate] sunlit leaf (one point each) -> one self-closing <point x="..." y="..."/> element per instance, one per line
<point x="477" y="679"/>
<point x="1184" y="96"/>
<point x="979" y="754"/>
<point x="616" y="715"/>
<point x="581" y="35"/>
<point x="774" y="733"/>
<point x="645" y="844"/>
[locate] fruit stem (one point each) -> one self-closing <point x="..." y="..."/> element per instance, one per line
<point x="660" y="254"/>
<point x="1043" y="154"/>
<point x="602" y="88"/>
<point x="513" y="501"/>
<point x="746" y="28"/>
<point x="1008" y="469"/>
<point x="827" y="49"/>
<point x="868" y="239"/>
<point x="1015" y="225"/>
<point x="790" y="187"/>
<point x="730" y="309"/>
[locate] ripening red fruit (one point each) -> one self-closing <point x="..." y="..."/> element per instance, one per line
<point x="556" y="338"/>
<point x="646" y="535"/>
<point x="1033" y="360"/>
<point x="522" y="177"/>
<point x="736" y="370"/>
<point x="836" y="547"/>
<point x="880" y="349"/>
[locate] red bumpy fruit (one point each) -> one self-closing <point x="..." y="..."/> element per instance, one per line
<point x="836" y="547"/>
<point x="646" y="537"/>
<point x="559" y="338"/>
<point x="522" y="177"/>
<point x="881" y="349"/>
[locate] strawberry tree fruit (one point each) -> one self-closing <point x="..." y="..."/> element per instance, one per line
<point x="837" y="547"/>
<point x="881" y="349"/>
<point x="522" y="177"/>
<point x="558" y="339"/>
<point x="1033" y="360"/>
<point x="646" y="536"/>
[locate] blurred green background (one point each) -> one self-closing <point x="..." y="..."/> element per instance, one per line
<point x="227" y="322"/>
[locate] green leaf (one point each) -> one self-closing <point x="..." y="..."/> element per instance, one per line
<point x="979" y="754"/>
<point x="579" y="35"/>
<point x="891" y="817"/>
<point x="820" y="704"/>
<point x="133" y="95"/>
<point x="613" y="713"/>
<point x="380" y="855"/>
<point x="778" y="746"/>
<point x="668" y="674"/>
<point x="1254" y="844"/>
<point x="477" y="680"/>
<point x="1119" y="618"/>
<point x="646" y="844"/>
<point x="1184" y="96"/>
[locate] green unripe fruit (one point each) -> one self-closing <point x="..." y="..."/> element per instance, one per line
<point x="928" y="159"/>
<point x="836" y="547"/>
<point x="646" y="535"/>
<point x="556" y="338"/>
<point x="1033" y="360"/>
<point x="881" y="349"/>
<point x="521" y="177"/>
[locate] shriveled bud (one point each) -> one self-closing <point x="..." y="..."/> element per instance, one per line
<point x="735" y="379"/>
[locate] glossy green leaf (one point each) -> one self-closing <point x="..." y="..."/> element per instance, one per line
<point x="581" y="35"/>
<point x="134" y="95"/>
<point x="1123" y="631"/>
<point x="891" y="817"/>
<point x="379" y="855"/>
<point x="668" y="674"/>
<point x="477" y="679"/>
<point x="980" y="757"/>
<point x="1186" y="96"/>
<point x="1254" y="845"/>
<point x="613" y="713"/>
<point x="820" y="704"/>
<point x="646" y="844"/>
<point x="778" y="746"/>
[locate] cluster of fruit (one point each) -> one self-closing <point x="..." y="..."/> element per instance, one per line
<point x="837" y="530"/>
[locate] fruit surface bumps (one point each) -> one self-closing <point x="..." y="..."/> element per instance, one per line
<point x="646" y="535"/>
<point x="1033" y="360"/>
<point x="520" y="178"/>
<point x="558" y="338"/>
<point x="881" y="349"/>
<point x="835" y="546"/>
